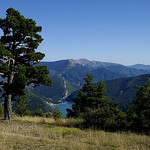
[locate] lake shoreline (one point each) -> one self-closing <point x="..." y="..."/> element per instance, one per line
<point x="63" y="106"/>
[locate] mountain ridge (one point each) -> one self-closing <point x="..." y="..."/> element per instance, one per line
<point x="68" y="76"/>
<point x="75" y="70"/>
<point x="140" y="66"/>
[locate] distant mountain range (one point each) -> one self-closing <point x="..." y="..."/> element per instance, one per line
<point x="68" y="76"/>
<point x="74" y="71"/>
<point x="140" y="66"/>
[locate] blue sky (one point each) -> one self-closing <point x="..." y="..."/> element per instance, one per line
<point x="105" y="30"/>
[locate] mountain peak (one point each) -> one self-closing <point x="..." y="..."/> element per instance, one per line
<point x="79" y="61"/>
<point x="91" y="64"/>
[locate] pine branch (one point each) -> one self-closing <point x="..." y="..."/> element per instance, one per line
<point x="1" y="85"/>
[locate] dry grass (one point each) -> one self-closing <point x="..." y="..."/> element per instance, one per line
<point x="35" y="133"/>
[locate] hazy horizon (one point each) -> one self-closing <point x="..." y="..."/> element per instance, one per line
<point x="93" y="60"/>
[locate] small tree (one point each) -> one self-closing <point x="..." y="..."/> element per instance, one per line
<point x="18" y="57"/>
<point x="37" y="112"/>
<point x="21" y="107"/>
<point x="93" y="105"/>
<point x="56" y="113"/>
<point x="91" y="96"/>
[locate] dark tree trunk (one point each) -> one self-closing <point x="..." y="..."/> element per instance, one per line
<point x="8" y="97"/>
<point x="8" y="108"/>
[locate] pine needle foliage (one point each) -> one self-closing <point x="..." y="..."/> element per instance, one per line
<point x="18" y="57"/>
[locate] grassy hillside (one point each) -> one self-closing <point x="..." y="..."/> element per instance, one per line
<point x="35" y="133"/>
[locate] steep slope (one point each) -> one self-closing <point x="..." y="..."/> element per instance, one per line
<point x="121" y="91"/>
<point x="42" y="97"/>
<point x="60" y="89"/>
<point x="105" y="74"/>
<point x="38" y="101"/>
<point x="74" y="71"/>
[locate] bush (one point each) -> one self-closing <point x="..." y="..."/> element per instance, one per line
<point x="56" y="113"/>
<point x="48" y="115"/>
<point x="102" y="118"/>
<point x="21" y="106"/>
<point x="105" y="118"/>
<point x="37" y="112"/>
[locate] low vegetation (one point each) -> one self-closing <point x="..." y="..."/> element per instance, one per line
<point x="26" y="133"/>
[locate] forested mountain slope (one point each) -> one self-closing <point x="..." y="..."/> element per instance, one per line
<point x="121" y="91"/>
<point x="68" y="76"/>
<point x="74" y="71"/>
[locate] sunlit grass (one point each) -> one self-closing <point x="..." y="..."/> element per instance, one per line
<point x="37" y="133"/>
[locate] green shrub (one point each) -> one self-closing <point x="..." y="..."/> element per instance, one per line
<point x="48" y="115"/>
<point x="21" y="106"/>
<point x="56" y="113"/>
<point x="102" y="118"/>
<point x="37" y="112"/>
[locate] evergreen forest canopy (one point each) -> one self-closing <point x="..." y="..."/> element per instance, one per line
<point x="18" y="57"/>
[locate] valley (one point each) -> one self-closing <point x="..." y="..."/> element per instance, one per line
<point x="68" y="77"/>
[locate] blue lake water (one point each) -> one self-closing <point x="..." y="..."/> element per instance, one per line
<point x="63" y="107"/>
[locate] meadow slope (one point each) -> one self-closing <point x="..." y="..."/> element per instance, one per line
<point x="35" y="133"/>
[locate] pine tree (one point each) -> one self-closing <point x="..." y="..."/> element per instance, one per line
<point x="142" y="107"/>
<point x="18" y="57"/>
<point x="21" y="107"/>
<point x="56" y="113"/>
<point x="83" y="102"/>
<point x="93" y="105"/>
